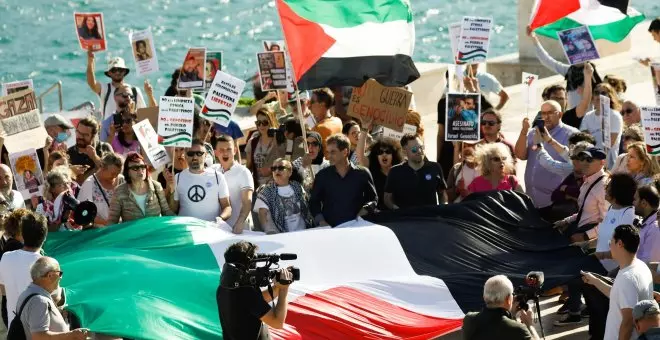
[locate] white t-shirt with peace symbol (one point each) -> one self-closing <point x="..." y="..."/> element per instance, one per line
<point x="199" y="194"/>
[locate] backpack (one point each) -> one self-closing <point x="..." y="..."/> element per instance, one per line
<point x="107" y="96"/>
<point x="16" y="330"/>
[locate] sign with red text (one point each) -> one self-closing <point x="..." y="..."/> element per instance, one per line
<point x="474" y="39"/>
<point x="175" y="121"/>
<point x="222" y="99"/>
<point x="16" y="86"/>
<point x="651" y="123"/>
<point x="384" y="106"/>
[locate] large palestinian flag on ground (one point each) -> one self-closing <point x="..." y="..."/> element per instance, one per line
<point x="403" y="275"/>
<point x="344" y="43"/>
<point x="607" y="19"/>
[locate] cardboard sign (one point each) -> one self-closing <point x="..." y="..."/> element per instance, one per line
<point x="148" y="139"/>
<point x="150" y="113"/>
<point x="529" y="82"/>
<point x="462" y="123"/>
<point x="385" y="106"/>
<point x="27" y="173"/>
<point x="655" y="75"/>
<point x="407" y="129"/>
<point x="90" y="31"/>
<point x="605" y="116"/>
<point x="578" y="45"/>
<point x="175" y="121"/>
<point x="651" y="124"/>
<point x="144" y="52"/>
<point x="23" y="131"/>
<point x="193" y="70"/>
<point x="17" y="86"/>
<point x="272" y="71"/>
<point x="474" y="39"/>
<point x="222" y="99"/>
<point x="213" y="65"/>
<point x="454" y="38"/>
<point x="17" y="103"/>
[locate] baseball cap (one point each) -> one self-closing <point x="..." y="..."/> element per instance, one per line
<point x="595" y="153"/>
<point x="645" y="308"/>
<point x="57" y="120"/>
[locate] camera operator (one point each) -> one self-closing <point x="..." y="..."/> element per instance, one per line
<point x="497" y="317"/>
<point x="244" y="311"/>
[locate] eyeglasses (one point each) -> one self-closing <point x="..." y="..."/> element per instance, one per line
<point x="489" y="122"/>
<point x="124" y="95"/>
<point x="547" y="113"/>
<point x="627" y="111"/>
<point x="195" y="153"/>
<point x="278" y="168"/>
<point x="386" y="151"/>
<point x="137" y="167"/>
<point x="314" y="144"/>
<point x="417" y="148"/>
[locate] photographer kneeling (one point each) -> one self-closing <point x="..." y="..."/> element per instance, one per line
<point x="496" y="320"/>
<point x="242" y="306"/>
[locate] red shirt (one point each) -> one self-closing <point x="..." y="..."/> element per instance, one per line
<point x="480" y="184"/>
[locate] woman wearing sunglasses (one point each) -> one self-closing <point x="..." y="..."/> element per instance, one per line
<point x="592" y="121"/>
<point x="384" y="153"/>
<point x="496" y="167"/>
<point x="309" y="165"/>
<point x="262" y="148"/>
<point x="140" y="196"/>
<point x="282" y="205"/>
<point x="125" y="140"/>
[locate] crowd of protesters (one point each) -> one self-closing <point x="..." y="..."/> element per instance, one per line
<point x="330" y="169"/>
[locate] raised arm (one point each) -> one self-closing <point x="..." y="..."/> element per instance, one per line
<point x="545" y="58"/>
<point x="521" y="144"/>
<point x="91" y="78"/>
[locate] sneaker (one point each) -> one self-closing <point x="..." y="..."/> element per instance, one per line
<point x="568" y="321"/>
<point x="563" y="309"/>
<point x="585" y="312"/>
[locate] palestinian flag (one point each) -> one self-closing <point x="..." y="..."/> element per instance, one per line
<point x="344" y="43"/>
<point x="404" y="275"/>
<point x="607" y="19"/>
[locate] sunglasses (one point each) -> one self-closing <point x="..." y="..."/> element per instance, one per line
<point x="602" y="93"/>
<point x="314" y="144"/>
<point x="124" y="95"/>
<point x="278" y="168"/>
<point x="386" y="151"/>
<point x="137" y="167"/>
<point x="416" y="149"/>
<point x="628" y="111"/>
<point x="116" y="70"/>
<point x="489" y="122"/>
<point x="261" y="123"/>
<point x="195" y="153"/>
<point x="128" y="120"/>
<point x="59" y="272"/>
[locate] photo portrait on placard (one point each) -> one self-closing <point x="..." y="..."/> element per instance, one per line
<point x="463" y="116"/>
<point x="213" y="65"/>
<point x="578" y="45"/>
<point x="90" y="31"/>
<point x="266" y="64"/>
<point x="142" y="50"/>
<point x="27" y="172"/>
<point x="193" y="70"/>
<point x="273" y="46"/>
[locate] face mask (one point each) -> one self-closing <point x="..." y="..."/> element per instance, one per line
<point x="61" y="137"/>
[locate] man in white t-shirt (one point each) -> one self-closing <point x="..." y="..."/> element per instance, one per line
<point x="199" y="191"/>
<point x="239" y="181"/>
<point x="9" y="199"/>
<point x="632" y="284"/>
<point x="117" y="71"/>
<point x="15" y="265"/>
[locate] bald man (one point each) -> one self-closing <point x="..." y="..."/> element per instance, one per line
<point x="9" y="199"/>
<point x="539" y="182"/>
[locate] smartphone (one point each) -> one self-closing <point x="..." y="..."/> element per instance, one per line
<point x="539" y="123"/>
<point x="117" y="120"/>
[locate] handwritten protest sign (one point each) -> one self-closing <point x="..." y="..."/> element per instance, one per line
<point x="385" y="106"/>
<point x="193" y="69"/>
<point x="651" y="123"/>
<point x="148" y="139"/>
<point x="474" y="39"/>
<point x="213" y="65"/>
<point x="222" y="99"/>
<point x="655" y="75"/>
<point x="17" y="103"/>
<point x="23" y="131"/>
<point x="175" y="121"/>
<point x="144" y="52"/>
<point x="462" y="120"/>
<point x="407" y="129"/>
<point x="90" y="29"/>
<point x="272" y="71"/>
<point x="578" y="45"/>
<point x="454" y="38"/>
<point x="529" y="82"/>
<point x="27" y="173"/>
<point x="17" y="86"/>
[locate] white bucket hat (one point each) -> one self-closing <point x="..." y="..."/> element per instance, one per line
<point x="117" y="62"/>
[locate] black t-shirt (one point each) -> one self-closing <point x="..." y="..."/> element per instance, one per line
<point x="79" y="158"/>
<point x="570" y="118"/>
<point x="379" y="181"/>
<point x="410" y="188"/>
<point x="240" y="311"/>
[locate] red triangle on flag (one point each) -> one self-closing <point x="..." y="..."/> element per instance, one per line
<point x="550" y="11"/>
<point x="305" y="40"/>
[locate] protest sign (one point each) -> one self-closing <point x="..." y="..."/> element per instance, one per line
<point x="193" y="69"/>
<point x="150" y="113"/>
<point x="655" y="75"/>
<point x="90" y="29"/>
<point x="279" y="45"/>
<point x="474" y="39"/>
<point x="23" y="131"/>
<point x="144" y="52"/>
<point x="462" y="119"/>
<point x="27" y="173"/>
<point x="529" y="90"/>
<point x="148" y="139"/>
<point x="605" y="116"/>
<point x="17" y="86"/>
<point x="175" y="121"/>
<point x="454" y="37"/>
<point x="407" y="130"/>
<point x="578" y="45"/>
<point x="222" y="99"/>
<point x="17" y="103"/>
<point x="385" y="106"/>
<point x="213" y="65"/>
<point x="272" y="71"/>
<point x="651" y="123"/>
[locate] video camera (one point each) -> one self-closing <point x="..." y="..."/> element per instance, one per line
<point x="531" y="290"/>
<point x="235" y="276"/>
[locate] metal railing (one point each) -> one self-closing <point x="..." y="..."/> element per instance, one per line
<point x="57" y="86"/>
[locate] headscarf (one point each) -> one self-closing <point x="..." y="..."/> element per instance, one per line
<point x="319" y="158"/>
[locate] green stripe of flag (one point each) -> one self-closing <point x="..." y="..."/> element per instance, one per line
<point x="615" y="31"/>
<point x="350" y="13"/>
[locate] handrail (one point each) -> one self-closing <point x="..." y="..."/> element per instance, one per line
<point x="57" y="85"/>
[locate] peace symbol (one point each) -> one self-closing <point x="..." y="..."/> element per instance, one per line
<point x="196" y="193"/>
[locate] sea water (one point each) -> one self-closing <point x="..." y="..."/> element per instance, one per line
<point x="38" y="40"/>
